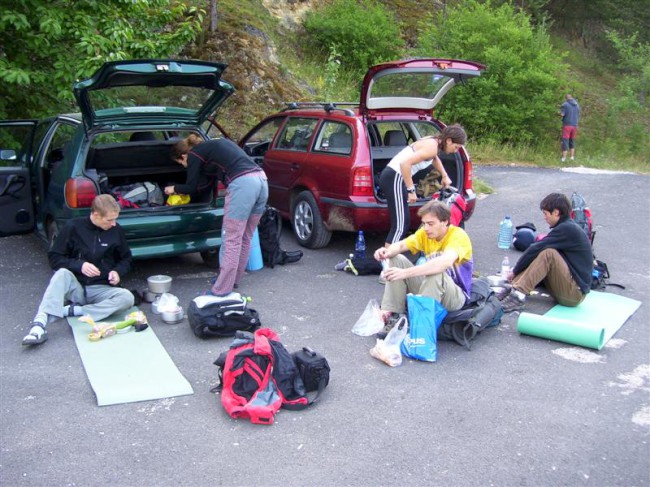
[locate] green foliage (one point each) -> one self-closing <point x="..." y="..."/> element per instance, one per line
<point x="362" y="32"/>
<point x="516" y="99"/>
<point x="48" y="45"/>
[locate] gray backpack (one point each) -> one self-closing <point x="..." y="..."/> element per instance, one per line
<point x="483" y="310"/>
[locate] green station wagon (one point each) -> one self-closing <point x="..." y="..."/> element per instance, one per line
<point x="131" y="113"/>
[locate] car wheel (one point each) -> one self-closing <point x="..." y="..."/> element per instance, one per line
<point x="211" y="258"/>
<point x="308" y="224"/>
<point x="51" y="231"/>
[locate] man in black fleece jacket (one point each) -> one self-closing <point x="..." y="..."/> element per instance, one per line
<point x="89" y="257"/>
<point x="563" y="260"/>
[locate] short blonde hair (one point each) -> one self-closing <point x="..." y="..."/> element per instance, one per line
<point x="103" y="204"/>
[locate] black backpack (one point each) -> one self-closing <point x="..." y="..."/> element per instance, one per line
<point x="269" y="229"/>
<point x="483" y="310"/>
<point x="215" y="316"/>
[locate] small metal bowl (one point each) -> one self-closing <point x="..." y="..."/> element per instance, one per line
<point x="172" y="317"/>
<point x="149" y="296"/>
<point x="159" y="284"/>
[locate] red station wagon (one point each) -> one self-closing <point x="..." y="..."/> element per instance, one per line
<point x="323" y="160"/>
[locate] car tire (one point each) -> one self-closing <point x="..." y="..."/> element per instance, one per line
<point x="307" y="223"/>
<point x="211" y="258"/>
<point x="51" y="231"/>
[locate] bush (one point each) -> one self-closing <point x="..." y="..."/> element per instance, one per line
<point x="518" y="96"/>
<point x="362" y="32"/>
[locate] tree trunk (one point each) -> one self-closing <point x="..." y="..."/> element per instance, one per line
<point x="213" y="15"/>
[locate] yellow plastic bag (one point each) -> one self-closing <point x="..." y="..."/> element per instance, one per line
<point x="178" y="199"/>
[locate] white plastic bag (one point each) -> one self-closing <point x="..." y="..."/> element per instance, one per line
<point x="168" y="303"/>
<point x="388" y="350"/>
<point x="370" y="321"/>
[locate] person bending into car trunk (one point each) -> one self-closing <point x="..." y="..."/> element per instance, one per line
<point x="89" y="257"/>
<point x="208" y="162"/>
<point x="396" y="180"/>
<point x="563" y="260"/>
<point x="446" y="276"/>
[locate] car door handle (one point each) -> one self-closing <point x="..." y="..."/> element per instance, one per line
<point x="295" y="167"/>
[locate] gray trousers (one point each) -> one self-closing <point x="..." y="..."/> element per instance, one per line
<point x="440" y="287"/>
<point x="98" y="301"/>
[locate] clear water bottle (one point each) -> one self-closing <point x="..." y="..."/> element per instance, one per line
<point x="505" y="267"/>
<point x="360" y="246"/>
<point x="505" y="233"/>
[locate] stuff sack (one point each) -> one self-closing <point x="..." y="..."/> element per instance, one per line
<point x="363" y="266"/>
<point x="217" y="316"/>
<point x="140" y="194"/>
<point x="581" y="214"/>
<point x="425" y="315"/>
<point x="483" y="310"/>
<point x="258" y="376"/>
<point x="269" y="229"/>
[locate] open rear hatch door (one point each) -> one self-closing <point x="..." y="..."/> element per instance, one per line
<point x="152" y="91"/>
<point x="415" y="85"/>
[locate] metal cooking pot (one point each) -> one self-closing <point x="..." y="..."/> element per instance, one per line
<point x="172" y="317"/>
<point x="159" y="284"/>
<point x="149" y="296"/>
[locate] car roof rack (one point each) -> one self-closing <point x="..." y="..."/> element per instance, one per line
<point x="327" y="106"/>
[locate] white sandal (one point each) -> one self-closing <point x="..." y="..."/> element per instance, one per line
<point x="37" y="335"/>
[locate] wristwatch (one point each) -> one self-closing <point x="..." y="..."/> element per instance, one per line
<point x="410" y="189"/>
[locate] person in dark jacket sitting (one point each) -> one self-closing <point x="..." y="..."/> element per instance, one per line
<point x="563" y="260"/>
<point x="90" y="256"/>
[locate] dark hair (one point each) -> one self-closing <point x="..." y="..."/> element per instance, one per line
<point x="454" y="132"/>
<point x="556" y="201"/>
<point x="437" y="209"/>
<point x="185" y="145"/>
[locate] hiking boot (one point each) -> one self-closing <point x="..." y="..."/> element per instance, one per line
<point x="37" y="335"/>
<point x="390" y="321"/>
<point x="512" y="302"/>
<point x="504" y="291"/>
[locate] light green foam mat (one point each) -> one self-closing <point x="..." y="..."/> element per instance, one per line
<point x="128" y="367"/>
<point x="590" y="324"/>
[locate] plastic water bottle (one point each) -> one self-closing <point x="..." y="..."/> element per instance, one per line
<point x="505" y="267"/>
<point x="360" y="246"/>
<point x="505" y="233"/>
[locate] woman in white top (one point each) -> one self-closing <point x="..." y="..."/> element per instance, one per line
<point x="396" y="180"/>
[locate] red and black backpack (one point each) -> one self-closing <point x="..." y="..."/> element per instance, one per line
<point x="258" y="376"/>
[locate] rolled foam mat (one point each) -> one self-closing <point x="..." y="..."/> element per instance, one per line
<point x="590" y="324"/>
<point x="128" y="367"/>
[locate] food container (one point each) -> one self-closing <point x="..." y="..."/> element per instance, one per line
<point x="172" y="317"/>
<point x="159" y="283"/>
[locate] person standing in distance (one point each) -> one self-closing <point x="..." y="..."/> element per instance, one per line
<point x="90" y="256"/>
<point x="396" y="180"/>
<point x="570" y="113"/>
<point x="207" y="163"/>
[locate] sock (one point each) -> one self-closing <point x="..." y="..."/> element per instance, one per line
<point x="72" y="310"/>
<point x="41" y="319"/>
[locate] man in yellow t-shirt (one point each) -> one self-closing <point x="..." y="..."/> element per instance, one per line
<point x="447" y="274"/>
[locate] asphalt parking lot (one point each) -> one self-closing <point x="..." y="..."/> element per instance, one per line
<point x="515" y="410"/>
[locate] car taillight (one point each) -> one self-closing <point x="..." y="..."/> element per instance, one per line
<point x="79" y="192"/>
<point x="362" y="182"/>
